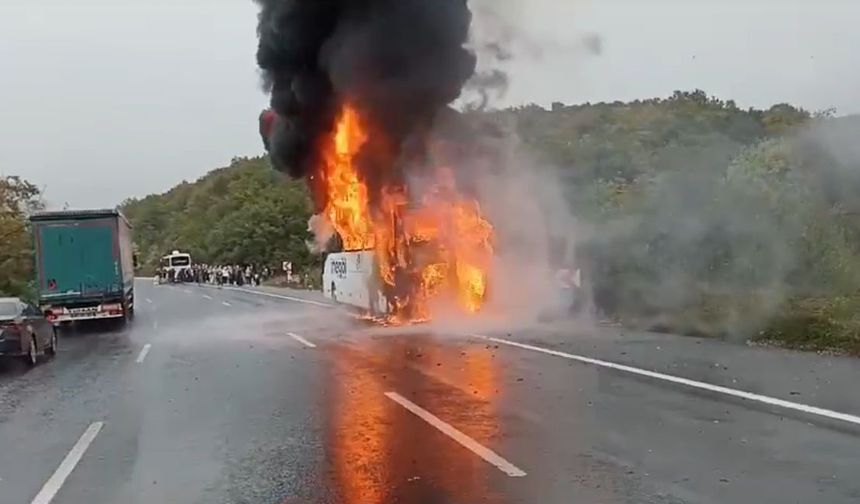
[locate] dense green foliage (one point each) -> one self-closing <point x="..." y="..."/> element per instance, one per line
<point x="707" y="219"/>
<point x="243" y="214"/>
<point x="694" y="215"/>
<point x="18" y="198"/>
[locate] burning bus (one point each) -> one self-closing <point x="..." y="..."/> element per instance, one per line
<point x="402" y="256"/>
<point x="358" y="118"/>
<point x="353" y="278"/>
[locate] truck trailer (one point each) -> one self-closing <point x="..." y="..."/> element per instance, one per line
<point x="85" y="265"/>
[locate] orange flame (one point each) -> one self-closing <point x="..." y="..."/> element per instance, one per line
<point x="347" y="205"/>
<point x="433" y="250"/>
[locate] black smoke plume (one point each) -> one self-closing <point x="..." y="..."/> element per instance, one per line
<point x="399" y="62"/>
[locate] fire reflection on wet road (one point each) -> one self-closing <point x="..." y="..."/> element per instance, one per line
<point x="229" y="408"/>
<point x="377" y="452"/>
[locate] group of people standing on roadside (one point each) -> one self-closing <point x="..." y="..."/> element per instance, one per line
<point x="237" y="275"/>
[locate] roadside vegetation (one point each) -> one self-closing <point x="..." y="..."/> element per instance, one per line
<point x="245" y="213"/>
<point x="693" y="215"/>
<point x="702" y="218"/>
<point x="18" y="198"/>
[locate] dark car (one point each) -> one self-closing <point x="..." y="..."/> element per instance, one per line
<point x="24" y="331"/>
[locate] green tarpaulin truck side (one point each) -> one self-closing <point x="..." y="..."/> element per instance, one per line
<point x="85" y="264"/>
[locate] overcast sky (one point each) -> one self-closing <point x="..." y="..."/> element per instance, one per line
<point x="105" y="99"/>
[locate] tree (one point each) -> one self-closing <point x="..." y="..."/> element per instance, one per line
<point x="18" y="199"/>
<point x="245" y="213"/>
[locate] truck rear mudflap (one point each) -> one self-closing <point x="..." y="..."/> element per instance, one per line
<point x="60" y="314"/>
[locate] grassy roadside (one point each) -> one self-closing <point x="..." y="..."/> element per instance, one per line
<point x="820" y="324"/>
<point x="817" y="324"/>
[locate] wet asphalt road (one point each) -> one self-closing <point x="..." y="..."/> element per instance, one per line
<point x="207" y="398"/>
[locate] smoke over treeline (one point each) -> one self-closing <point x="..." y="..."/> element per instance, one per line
<point x="399" y="62"/>
<point x="697" y="216"/>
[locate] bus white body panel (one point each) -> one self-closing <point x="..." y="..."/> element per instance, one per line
<point x="352" y="278"/>
<point x="176" y="262"/>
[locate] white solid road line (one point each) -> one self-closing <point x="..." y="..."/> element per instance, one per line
<point x="53" y="485"/>
<point x="225" y="303"/>
<point x="288" y="298"/>
<point x="301" y="340"/>
<point x="143" y="352"/>
<point x="148" y="300"/>
<point x="469" y="443"/>
<point x="206" y="297"/>
<point x="773" y="401"/>
<point x="280" y="296"/>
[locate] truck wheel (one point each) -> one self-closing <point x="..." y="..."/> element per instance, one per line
<point x="32" y="357"/>
<point x="52" y="350"/>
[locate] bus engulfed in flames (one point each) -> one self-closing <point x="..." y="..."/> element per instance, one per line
<point x="433" y="249"/>
<point x="361" y="95"/>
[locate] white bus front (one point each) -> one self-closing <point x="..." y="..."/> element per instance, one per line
<point x="352" y="278"/>
<point x="175" y="266"/>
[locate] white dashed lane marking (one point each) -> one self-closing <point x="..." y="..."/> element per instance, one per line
<point x="53" y="485"/>
<point x="301" y="340"/>
<point x="464" y="440"/>
<point x="143" y="352"/>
